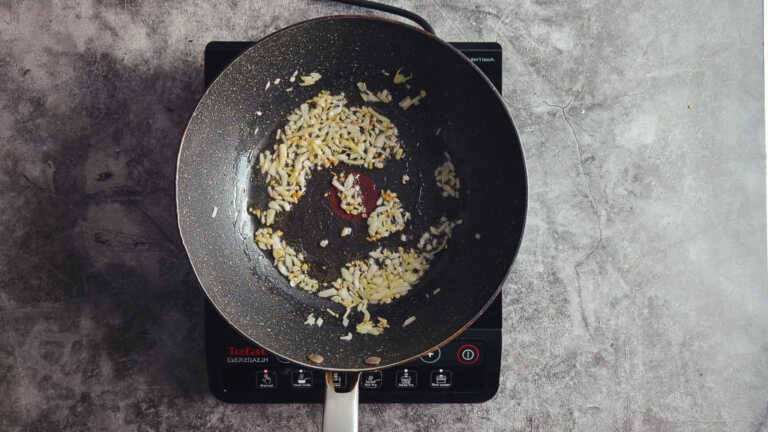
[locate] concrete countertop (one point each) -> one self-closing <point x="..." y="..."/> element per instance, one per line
<point x="639" y="301"/>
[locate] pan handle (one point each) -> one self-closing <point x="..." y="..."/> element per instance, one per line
<point x="340" y="411"/>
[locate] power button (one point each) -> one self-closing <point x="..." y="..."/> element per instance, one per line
<point x="468" y="354"/>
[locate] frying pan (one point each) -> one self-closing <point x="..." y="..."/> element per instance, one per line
<point x="218" y="178"/>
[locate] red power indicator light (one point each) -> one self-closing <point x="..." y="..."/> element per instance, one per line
<point x="468" y="354"/>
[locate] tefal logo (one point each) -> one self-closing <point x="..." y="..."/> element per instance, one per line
<point x="247" y="351"/>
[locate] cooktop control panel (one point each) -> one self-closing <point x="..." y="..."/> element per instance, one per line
<point x="465" y="370"/>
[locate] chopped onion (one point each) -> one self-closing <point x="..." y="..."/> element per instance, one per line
<point x="311" y="320"/>
<point x="308" y="80"/>
<point x="408" y="101"/>
<point x="388" y="217"/>
<point x="350" y="193"/>
<point x="319" y="134"/>
<point x="447" y="181"/>
<point x="400" y="78"/>
<point x="409" y="321"/>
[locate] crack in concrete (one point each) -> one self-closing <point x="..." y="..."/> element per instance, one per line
<point x="451" y="22"/>
<point x="595" y="208"/>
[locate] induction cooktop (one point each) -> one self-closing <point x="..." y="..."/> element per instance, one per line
<point x="465" y="370"/>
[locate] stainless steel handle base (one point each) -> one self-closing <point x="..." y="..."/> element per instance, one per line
<point x="340" y="411"/>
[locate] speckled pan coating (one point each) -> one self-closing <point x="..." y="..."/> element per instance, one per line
<point x="215" y="169"/>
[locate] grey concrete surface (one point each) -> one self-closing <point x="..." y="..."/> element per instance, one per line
<point x="639" y="301"/>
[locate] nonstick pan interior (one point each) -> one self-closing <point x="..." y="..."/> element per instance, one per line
<point x="462" y="115"/>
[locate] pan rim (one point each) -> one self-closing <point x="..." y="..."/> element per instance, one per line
<point x="514" y="252"/>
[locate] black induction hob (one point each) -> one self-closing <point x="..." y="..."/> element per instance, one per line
<point x="465" y="370"/>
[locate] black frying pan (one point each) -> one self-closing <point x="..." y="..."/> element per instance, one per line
<point x="462" y="115"/>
